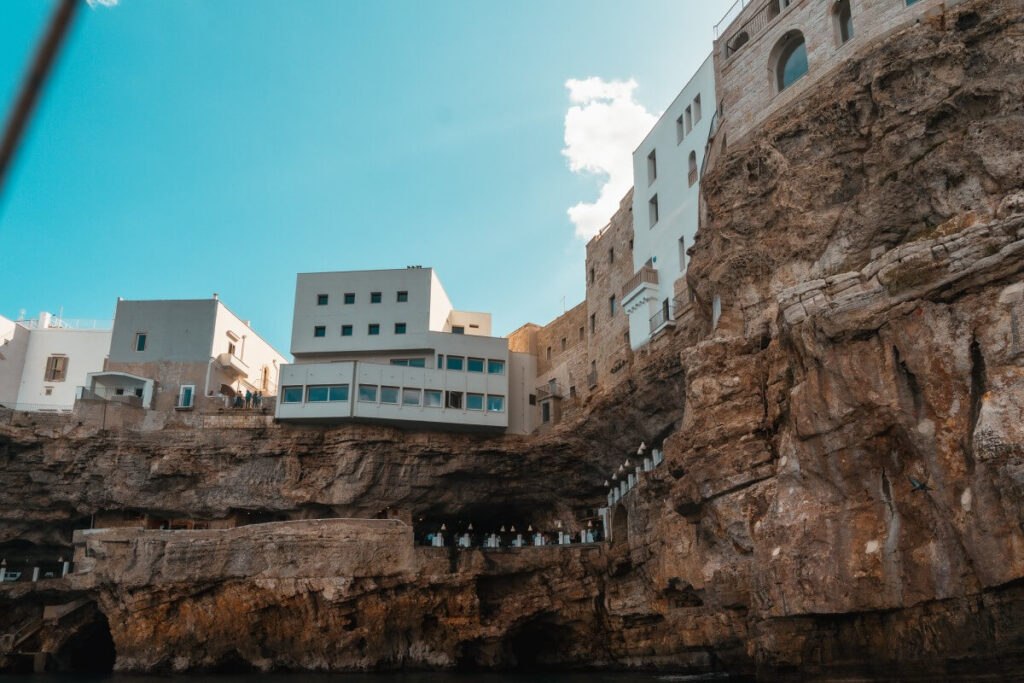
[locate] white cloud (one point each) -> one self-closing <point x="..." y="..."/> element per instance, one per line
<point x="602" y="128"/>
<point x="105" y="3"/>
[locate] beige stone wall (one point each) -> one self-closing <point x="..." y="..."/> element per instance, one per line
<point x="608" y="343"/>
<point x="171" y="375"/>
<point x="745" y="81"/>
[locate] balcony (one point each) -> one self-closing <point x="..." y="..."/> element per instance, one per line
<point x="550" y="390"/>
<point x="645" y="275"/>
<point x="661" y="319"/>
<point x="233" y="364"/>
<point x="756" y="22"/>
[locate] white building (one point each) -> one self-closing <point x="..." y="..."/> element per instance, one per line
<point x="44" y="361"/>
<point x="666" y="180"/>
<point x="387" y="346"/>
<point x="168" y="353"/>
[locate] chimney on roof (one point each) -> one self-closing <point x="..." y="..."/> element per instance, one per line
<point x="215" y="297"/>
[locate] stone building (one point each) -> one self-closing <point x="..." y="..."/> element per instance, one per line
<point x="772" y="51"/>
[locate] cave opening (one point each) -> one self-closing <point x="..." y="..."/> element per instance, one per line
<point x="537" y="644"/>
<point x="478" y="521"/>
<point x="90" y="650"/>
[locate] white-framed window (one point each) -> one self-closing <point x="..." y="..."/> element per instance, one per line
<point x="474" y="401"/>
<point x="291" y="394"/>
<point x="496" y="367"/>
<point x="475" y="365"/>
<point x="453" y="399"/>
<point x="186" y="395"/>
<point x="140" y="341"/>
<point x="389" y="395"/>
<point x="431" y="398"/>
<point x="368" y="393"/>
<point x="496" y="404"/>
<point x="410" y="397"/>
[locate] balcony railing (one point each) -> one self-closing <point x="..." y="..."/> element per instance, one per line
<point x="730" y="16"/>
<point x="660" y="319"/>
<point x="756" y="23"/>
<point x="229" y="361"/>
<point x="644" y="275"/>
<point x="550" y="390"/>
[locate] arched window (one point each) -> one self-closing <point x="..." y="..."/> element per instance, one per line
<point x="844" y="21"/>
<point x="693" y="168"/>
<point x="738" y="41"/>
<point x="791" y="59"/>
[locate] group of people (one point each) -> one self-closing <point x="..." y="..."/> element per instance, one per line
<point x="249" y="400"/>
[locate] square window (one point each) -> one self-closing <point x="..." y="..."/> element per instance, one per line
<point x="317" y="394"/>
<point x="474" y="401"/>
<point x="291" y="395"/>
<point x="495" y="404"/>
<point x="475" y="365"/>
<point x="399" y="328"/>
<point x="454" y="399"/>
<point x="373" y="329"/>
<point x="375" y="297"/>
<point x="402" y="297"/>
<point x="368" y="393"/>
<point x="454" y="363"/>
<point x="404" y="362"/>
<point x="346" y="330"/>
<point x="495" y="367"/>
<point x="350" y="297"/>
<point x="319" y="331"/>
<point x="140" y="341"/>
<point x="389" y="395"/>
<point x="321" y="299"/>
<point x="410" y="397"/>
<point x="458" y="329"/>
<point x="338" y="392"/>
<point x="431" y="398"/>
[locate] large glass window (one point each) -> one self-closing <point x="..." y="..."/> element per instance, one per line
<point x="497" y="367"/>
<point x="792" y="62"/>
<point x="389" y="394"/>
<point x="316" y="394"/>
<point x="410" y="397"/>
<point x="368" y="393"/>
<point x="431" y="398"/>
<point x="339" y="392"/>
<point x="496" y="404"/>
<point x="454" y="362"/>
<point x="475" y="365"/>
<point x="291" y="395"/>
<point x="475" y="401"/>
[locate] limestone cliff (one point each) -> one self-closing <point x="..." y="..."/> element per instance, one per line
<point x="843" y="486"/>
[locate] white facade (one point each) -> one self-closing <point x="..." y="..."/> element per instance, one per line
<point x="44" y="361"/>
<point x="387" y="346"/>
<point x="666" y="180"/>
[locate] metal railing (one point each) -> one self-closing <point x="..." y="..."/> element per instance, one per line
<point x="645" y="274"/>
<point x="730" y="16"/>
<point x="659" y="319"/>
<point x="756" y="23"/>
<point x="550" y="390"/>
<point x="68" y="324"/>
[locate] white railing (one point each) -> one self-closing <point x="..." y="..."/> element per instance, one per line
<point x="69" y="324"/>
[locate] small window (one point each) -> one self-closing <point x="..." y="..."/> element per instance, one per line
<point x="495" y="404"/>
<point x="373" y="329"/>
<point x="692" y="163"/>
<point x="440" y="361"/>
<point x="346" y="330"/>
<point x="231" y="348"/>
<point x="652" y="210"/>
<point x="321" y="299"/>
<point x="338" y="392"/>
<point x="402" y="297"/>
<point x="572" y="391"/>
<point x="138" y="392"/>
<point x="545" y="411"/>
<point x="368" y="393"/>
<point x="475" y="365"/>
<point x="652" y="166"/>
<point x="548" y="353"/>
<point x="431" y="398"/>
<point x="399" y="328"/>
<point x="186" y="394"/>
<point x="454" y="363"/>
<point x="680" y="129"/>
<point x="350" y="297"/>
<point x="474" y="401"/>
<point x="564" y="343"/>
<point x="689" y="120"/>
<point x="613" y="305"/>
<point x="389" y="395"/>
<point x="375" y="297"/>
<point x="611" y="255"/>
<point x="495" y="367"/>
<point x="119" y="391"/>
<point x="583" y="333"/>
<point x="140" y="341"/>
<point x="404" y="362"/>
<point x="410" y="397"/>
<point x="56" y="369"/>
<point x="458" y="329"/>
<point x="682" y="253"/>
<point x="454" y="399"/>
<point x="417" y="362"/>
<point x="291" y="395"/>
<point x="591" y="276"/>
<point x="593" y="322"/>
<point x="319" y="331"/>
<point x="317" y="394"/>
<point x="533" y="399"/>
<point x="844" y="21"/>
<point x="48" y="391"/>
<point x="696" y="109"/>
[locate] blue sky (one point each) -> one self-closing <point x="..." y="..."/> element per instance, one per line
<point x="197" y="146"/>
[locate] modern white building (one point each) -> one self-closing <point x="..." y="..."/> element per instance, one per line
<point x="387" y="346"/>
<point x="666" y="182"/>
<point x="43" y="361"/>
<point x="166" y="354"/>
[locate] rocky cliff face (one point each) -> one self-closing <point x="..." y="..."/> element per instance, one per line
<point x="843" y="488"/>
